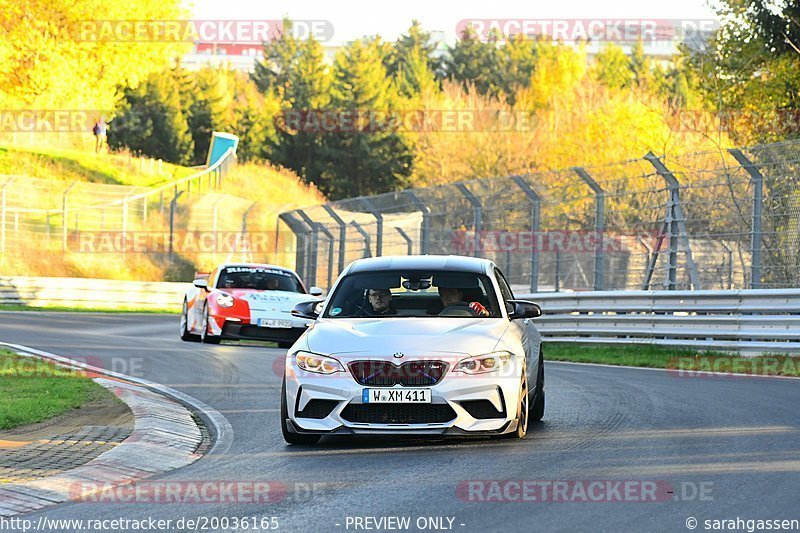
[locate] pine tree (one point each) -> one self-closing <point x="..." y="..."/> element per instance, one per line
<point x="612" y="67"/>
<point x="152" y="121"/>
<point x="373" y="159"/>
<point x="411" y="63"/>
<point x="474" y="62"/>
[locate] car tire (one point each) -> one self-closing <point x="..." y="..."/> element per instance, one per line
<point x="288" y="436"/>
<point x="205" y="337"/>
<point x="537" y="406"/>
<point x="184" y="327"/>
<point x="286" y="344"/>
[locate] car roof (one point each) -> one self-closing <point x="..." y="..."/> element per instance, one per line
<point x="455" y="263"/>
<point x="255" y="265"/>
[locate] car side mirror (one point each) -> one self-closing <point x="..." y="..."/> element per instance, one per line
<point x="309" y="310"/>
<point x="201" y="284"/>
<point x="315" y="291"/>
<point x="524" y="309"/>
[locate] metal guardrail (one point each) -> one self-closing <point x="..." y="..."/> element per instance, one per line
<point x="91" y="293"/>
<point x="751" y="321"/>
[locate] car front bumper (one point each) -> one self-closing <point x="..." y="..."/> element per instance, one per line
<point x="451" y="411"/>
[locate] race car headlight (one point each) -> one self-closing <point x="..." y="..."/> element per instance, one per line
<point x="224" y="300"/>
<point x="319" y="364"/>
<point x="481" y="364"/>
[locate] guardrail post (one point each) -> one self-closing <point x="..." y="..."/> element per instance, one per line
<point x="314" y="245"/>
<point x="365" y="234"/>
<point x="409" y="241"/>
<point x="300" y="232"/>
<point x="536" y="218"/>
<point x="342" y="234"/>
<point x="379" y="229"/>
<point x="426" y="216"/>
<point x="675" y="223"/>
<point x="758" y="205"/>
<point x="172" y="206"/>
<point x="599" y="226"/>
<point x="477" y="210"/>
<point x="64" y="222"/>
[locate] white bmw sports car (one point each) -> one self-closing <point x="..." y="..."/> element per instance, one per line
<point x="425" y="345"/>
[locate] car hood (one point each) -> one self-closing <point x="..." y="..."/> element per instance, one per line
<point x="383" y="337"/>
<point x="280" y="301"/>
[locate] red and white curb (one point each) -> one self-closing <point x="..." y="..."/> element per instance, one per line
<point x="164" y="437"/>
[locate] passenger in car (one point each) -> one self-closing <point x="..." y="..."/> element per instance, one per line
<point x="454" y="304"/>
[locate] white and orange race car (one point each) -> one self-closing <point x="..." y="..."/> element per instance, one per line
<point x="245" y="301"/>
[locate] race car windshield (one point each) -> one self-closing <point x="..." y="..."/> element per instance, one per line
<point x="258" y="278"/>
<point x="390" y="294"/>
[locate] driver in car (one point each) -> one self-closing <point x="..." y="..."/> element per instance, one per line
<point x="454" y="304"/>
<point x="380" y="303"/>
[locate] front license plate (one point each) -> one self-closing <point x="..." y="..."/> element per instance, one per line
<point x="272" y="323"/>
<point x="396" y="396"/>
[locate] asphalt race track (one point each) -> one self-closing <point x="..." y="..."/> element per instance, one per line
<point x="725" y="447"/>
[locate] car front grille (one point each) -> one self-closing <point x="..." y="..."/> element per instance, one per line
<point x="398" y="413"/>
<point x="387" y="374"/>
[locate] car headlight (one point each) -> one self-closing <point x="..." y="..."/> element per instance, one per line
<point x="224" y="300"/>
<point x="481" y="364"/>
<point x="319" y="364"/>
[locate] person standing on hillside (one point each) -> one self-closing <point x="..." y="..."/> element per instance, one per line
<point x="99" y="131"/>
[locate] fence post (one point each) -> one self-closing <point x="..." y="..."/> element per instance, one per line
<point x="758" y="206"/>
<point x="379" y="229"/>
<point x="314" y="244"/>
<point x="557" y="283"/>
<point x="321" y="228"/>
<point x="3" y="206"/>
<point x="300" y="233"/>
<point x="477" y="210"/>
<point x="536" y="218"/>
<point x="144" y="211"/>
<point x="365" y="234"/>
<point x="675" y="223"/>
<point x="342" y="234"/>
<point x="246" y="248"/>
<point x="214" y="219"/>
<point x="172" y="206"/>
<point x="426" y="215"/>
<point x="124" y="223"/>
<point x="64" y="217"/>
<point x="409" y="241"/>
<point x="599" y="226"/>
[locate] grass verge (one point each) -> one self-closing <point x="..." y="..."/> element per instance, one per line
<point x="677" y="359"/>
<point x="33" y="390"/>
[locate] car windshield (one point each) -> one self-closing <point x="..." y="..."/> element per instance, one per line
<point x="259" y="278"/>
<point x="402" y="293"/>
